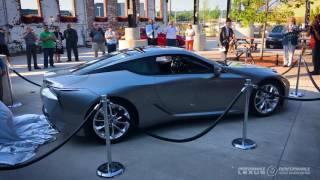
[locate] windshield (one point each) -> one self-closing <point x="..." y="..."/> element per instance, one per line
<point x="277" y="29"/>
<point x="97" y="63"/>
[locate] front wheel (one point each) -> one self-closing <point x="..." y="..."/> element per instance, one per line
<point x="120" y="122"/>
<point x="264" y="104"/>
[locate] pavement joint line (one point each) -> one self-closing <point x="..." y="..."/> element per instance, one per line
<point x="286" y="143"/>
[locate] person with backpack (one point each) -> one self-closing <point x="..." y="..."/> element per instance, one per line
<point x="97" y="39"/>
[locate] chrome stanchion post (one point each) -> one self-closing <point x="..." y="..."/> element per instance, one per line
<point x="296" y="93"/>
<point x="109" y="169"/>
<point x="245" y="143"/>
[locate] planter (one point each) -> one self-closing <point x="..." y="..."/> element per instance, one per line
<point x="122" y="19"/>
<point x="159" y="19"/>
<point x="31" y="19"/>
<point x="143" y="19"/>
<point x="68" y="19"/>
<point x="101" y="19"/>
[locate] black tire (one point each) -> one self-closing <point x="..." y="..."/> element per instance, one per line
<point x="91" y="132"/>
<point x="253" y="99"/>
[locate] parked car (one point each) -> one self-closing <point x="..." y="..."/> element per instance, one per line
<point x="151" y="85"/>
<point x="274" y="38"/>
<point x="162" y="40"/>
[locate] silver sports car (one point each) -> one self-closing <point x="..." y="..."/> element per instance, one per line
<point x="151" y="85"/>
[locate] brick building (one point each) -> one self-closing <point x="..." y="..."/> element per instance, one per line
<point x="17" y="14"/>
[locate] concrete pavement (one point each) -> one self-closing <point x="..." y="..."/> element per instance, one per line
<point x="288" y="139"/>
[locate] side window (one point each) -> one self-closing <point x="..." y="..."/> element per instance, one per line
<point x="145" y="66"/>
<point x="180" y="64"/>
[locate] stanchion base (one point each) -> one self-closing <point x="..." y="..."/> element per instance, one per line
<point x="294" y="94"/>
<point x="244" y="145"/>
<point x="115" y="169"/>
<point x="15" y="105"/>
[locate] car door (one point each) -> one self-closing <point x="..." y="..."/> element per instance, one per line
<point x="211" y="93"/>
<point x="175" y="90"/>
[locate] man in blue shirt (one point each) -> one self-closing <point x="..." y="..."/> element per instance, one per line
<point x="151" y="31"/>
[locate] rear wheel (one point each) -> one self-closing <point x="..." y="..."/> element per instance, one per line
<point x="120" y="122"/>
<point x="264" y="104"/>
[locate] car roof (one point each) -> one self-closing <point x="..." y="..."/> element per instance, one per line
<point x="147" y="51"/>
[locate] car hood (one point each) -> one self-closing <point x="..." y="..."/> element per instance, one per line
<point x="251" y="69"/>
<point x="276" y="35"/>
<point x="59" y="72"/>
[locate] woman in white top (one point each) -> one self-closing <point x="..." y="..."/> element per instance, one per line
<point x="171" y="34"/>
<point x="189" y="37"/>
<point x="111" y="40"/>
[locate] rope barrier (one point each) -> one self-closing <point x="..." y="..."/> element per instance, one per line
<point x="290" y="68"/>
<point x="204" y="132"/>
<point x="24" y="78"/>
<point x="27" y="163"/>
<point x="310" y="75"/>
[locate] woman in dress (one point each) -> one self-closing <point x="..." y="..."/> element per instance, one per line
<point x="59" y="44"/>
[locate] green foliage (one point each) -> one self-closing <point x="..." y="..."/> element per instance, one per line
<point x="248" y="11"/>
<point x="314" y="13"/>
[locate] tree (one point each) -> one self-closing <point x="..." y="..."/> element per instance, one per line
<point x="248" y="11"/>
<point x="215" y="13"/>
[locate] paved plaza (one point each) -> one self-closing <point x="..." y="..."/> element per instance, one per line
<point x="288" y="142"/>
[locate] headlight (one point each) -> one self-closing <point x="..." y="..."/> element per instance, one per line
<point x="46" y="92"/>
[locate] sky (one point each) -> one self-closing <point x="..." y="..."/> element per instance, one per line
<point x="177" y="5"/>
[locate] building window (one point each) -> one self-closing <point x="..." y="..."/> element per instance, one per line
<point x="122" y="12"/>
<point x="67" y="10"/>
<point x="121" y="8"/>
<point x="143" y="10"/>
<point x="30" y="11"/>
<point x="100" y="10"/>
<point x="158" y="10"/>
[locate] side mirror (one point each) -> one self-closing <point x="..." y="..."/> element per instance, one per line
<point x="217" y="71"/>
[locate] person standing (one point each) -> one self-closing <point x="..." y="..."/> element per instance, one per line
<point x="30" y="39"/>
<point x="171" y="34"/>
<point x="71" y="37"/>
<point x="3" y="44"/>
<point x="290" y="41"/>
<point x="226" y="36"/>
<point x="111" y="38"/>
<point x="189" y="37"/>
<point x="59" y="44"/>
<point x="315" y="33"/>
<point x="152" y="34"/>
<point x="97" y="39"/>
<point x="2" y="73"/>
<point x="48" y="45"/>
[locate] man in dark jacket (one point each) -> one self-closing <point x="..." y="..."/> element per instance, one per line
<point x="226" y="36"/>
<point x="71" y="37"/>
<point x="2" y="73"/>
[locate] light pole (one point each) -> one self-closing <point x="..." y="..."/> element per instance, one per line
<point x="264" y="28"/>
<point x="195" y="12"/>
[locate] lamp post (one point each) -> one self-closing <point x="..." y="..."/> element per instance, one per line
<point x="195" y="12"/>
<point x="132" y="13"/>
<point x="228" y="8"/>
